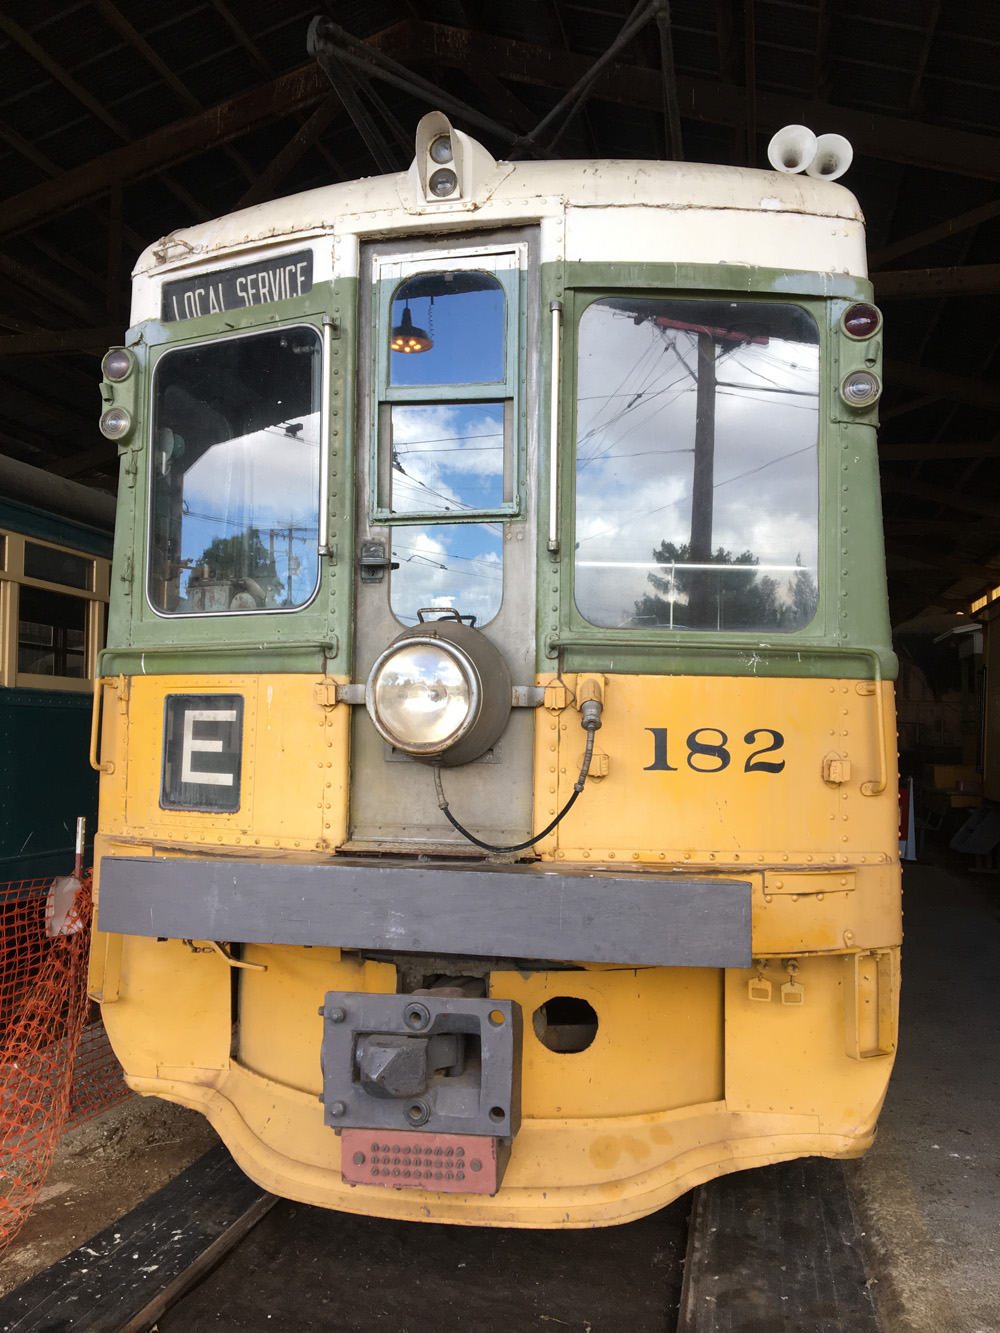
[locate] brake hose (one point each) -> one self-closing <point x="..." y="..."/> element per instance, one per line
<point x="590" y="721"/>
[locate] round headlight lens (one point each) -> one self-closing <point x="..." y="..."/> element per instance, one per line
<point x="115" y="423"/>
<point x="860" y="388"/>
<point x="421" y="698"/>
<point x="116" y="364"/>
<point x="440" y="149"/>
<point x="442" y="183"/>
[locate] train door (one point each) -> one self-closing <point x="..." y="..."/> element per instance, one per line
<point x="446" y="513"/>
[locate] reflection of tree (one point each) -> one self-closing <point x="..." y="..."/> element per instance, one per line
<point x="730" y="599"/>
<point x="241" y="559"/>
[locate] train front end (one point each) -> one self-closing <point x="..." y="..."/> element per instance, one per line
<point x="498" y="805"/>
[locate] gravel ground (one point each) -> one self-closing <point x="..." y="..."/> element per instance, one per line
<point x="101" y="1170"/>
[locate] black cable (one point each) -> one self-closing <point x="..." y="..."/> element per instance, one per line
<point x="520" y="846"/>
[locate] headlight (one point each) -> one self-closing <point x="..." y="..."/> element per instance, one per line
<point x="440" y="692"/>
<point x="422" y="697"/>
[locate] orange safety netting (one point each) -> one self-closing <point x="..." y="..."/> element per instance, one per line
<point x="44" y="1011"/>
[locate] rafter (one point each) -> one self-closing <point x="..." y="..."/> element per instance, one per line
<point x="888" y="138"/>
<point x="943" y="384"/>
<point x="941" y="232"/>
<point x="50" y="343"/>
<point x="300" y="142"/>
<point x="923" y="555"/>
<point x="919" y="283"/>
<point x="928" y="453"/>
<point x="52" y="67"/>
<point x="941" y="495"/>
<point x="117" y="20"/>
<point x="885" y="137"/>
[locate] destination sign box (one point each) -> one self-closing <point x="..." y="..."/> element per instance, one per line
<point x="238" y="288"/>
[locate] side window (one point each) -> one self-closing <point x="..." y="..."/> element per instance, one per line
<point x="697" y="474"/>
<point x="448" y="447"/>
<point x="55" y="599"/>
<point x="234" y="495"/>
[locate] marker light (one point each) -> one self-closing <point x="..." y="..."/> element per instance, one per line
<point x="442" y="183"/>
<point x="862" y="320"/>
<point x="440" y="692"/>
<point x="116" y="364"/>
<point x="115" y="423"/>
<point x="860" y="388"/>
<point x="440" y="149"/>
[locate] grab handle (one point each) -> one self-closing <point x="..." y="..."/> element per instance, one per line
<point x="108" y="765"/>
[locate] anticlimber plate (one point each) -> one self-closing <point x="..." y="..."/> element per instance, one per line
<point x="443" y="1163"/>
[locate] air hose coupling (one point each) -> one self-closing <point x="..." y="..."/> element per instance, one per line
<point x="590" y="698"/>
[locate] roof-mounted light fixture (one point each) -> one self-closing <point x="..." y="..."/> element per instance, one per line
<point x="448" y="166"/>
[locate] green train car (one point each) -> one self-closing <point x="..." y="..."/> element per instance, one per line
<point x="55" y="562"/>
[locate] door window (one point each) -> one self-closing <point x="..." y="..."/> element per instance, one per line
<point x="448" y="454"/>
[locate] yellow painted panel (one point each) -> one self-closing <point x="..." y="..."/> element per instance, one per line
<point x="294" y="766"/>
<point x="687" y="781"/>
<point x="827" y="916"/>
<point x="658" y="1043"/>
<point x="173" y="1007"/>
<point x="788" y="1053"/>
<point x="280" y="1030"/>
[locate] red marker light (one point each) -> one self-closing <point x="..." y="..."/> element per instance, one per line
<point x="862" y="320"/>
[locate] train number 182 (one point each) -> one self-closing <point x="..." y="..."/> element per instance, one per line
<point x="707" y="751"/>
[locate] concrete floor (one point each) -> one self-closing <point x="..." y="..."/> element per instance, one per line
<point x="931" y="1185"/>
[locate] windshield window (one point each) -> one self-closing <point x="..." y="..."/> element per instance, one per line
<point x="234" y="522"/>
<point x="696" y="468"/>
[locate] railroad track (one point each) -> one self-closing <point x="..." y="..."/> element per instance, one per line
<point x="776" y="1249"/>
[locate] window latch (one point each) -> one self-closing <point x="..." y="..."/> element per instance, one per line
<point x="374" y="562"/>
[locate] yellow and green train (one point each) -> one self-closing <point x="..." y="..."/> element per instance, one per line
<point x="498" y="800"/>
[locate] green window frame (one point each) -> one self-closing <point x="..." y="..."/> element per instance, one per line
<point x="507" y="266"/>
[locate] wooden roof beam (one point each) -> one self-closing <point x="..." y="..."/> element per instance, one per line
<point x="942" y="384"/>
<point x="921" y="555"/>
<point x="940" y="495"/>
<point x="888" y="138"/>
<point x="928" y="453"/>
<point x="48" y="342"/>
<point x="920" y="283"/>
<point x="115" y="19"/>
<point x="941" y="232"/>
<point x="52" y="67"/>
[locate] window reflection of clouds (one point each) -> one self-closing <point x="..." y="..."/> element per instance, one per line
<point x="635" y="458"/>
<point x="235" y="474"/>
<point x="456" y="565"/>
<point x="446" y="457"/>
<point x="265" y="482"/>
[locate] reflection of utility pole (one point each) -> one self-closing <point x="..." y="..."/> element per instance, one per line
<point x="289" y="601"/>
<point x="701" y="614"/>
<point x="703" y="484"/>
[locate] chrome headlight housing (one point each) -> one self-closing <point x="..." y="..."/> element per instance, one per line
<point x="440" y="692"/>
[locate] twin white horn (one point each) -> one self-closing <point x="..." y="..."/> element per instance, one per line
<point x="796" y="148"/>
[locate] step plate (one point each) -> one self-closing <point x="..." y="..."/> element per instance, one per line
<point x="442" y="1163"/>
